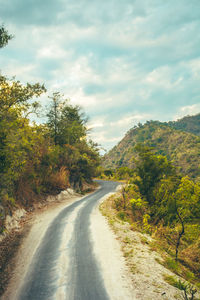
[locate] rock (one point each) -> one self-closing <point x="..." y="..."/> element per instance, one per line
<point x="12" y="222"/>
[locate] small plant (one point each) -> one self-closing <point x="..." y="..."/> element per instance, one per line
<point x="174" y="282"/>
<point x="111" y="222"/>
<point x="144" y="240"/>
<point x="134" y="269"/>
<point x="188" y="290"/>
<point x="128" y="253"/>
<point x="172" y="265"/>
<point x="146" y="225"/>
<point x="121" y="215"/>
<point x="189" y="275"/>
<point x="127" y="240"/>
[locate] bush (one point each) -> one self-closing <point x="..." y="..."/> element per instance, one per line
<point x="60" y="179"/>
<point x="122" y="215"/>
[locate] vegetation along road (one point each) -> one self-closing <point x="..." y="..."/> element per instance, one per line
<point x="64" y="265"/>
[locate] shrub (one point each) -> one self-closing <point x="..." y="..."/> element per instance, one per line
<point x="60" y="179"/>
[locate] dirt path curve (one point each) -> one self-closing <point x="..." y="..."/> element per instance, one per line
<point x="70" y="253"/>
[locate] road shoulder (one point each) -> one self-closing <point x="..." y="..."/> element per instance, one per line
<point x="27" y="238"/>
<point x="145" y="274"/>
<point x="110" y="259"/>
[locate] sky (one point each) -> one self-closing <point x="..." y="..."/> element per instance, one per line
<point x="122" y="61"/>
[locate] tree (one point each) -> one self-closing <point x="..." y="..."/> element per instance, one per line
<point x="187" y="205"/>
<point x="54" y="116"/>
<point x="4" y="37"/>
<point x="151" y="169"/>
<point x="72" y="125"/>
<point x="14" y="129"/>
<point x="177" y="202"/>
<point x="67" y="128"/>
<point x="164" y="206"/>
<point x="124" y="173"/>
<point x="66" y="122"/>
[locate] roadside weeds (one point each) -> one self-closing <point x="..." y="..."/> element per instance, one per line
<point x="148" y="275"/>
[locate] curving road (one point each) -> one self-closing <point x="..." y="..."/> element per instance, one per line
<point x="64" y="266"/>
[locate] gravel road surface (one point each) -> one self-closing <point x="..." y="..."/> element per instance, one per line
<point x="64" y="265"/>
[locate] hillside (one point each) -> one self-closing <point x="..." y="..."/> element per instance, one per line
<point x="189" y="124"/>
<point x="182" y="148"/>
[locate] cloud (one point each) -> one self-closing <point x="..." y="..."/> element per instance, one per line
<point x="124" y="62"/>
<point x="108" y="132"/>
<point x="187" y="110"/>
<point x="31" y="12"/>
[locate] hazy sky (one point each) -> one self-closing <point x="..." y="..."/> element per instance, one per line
<point x="123" y="61"/>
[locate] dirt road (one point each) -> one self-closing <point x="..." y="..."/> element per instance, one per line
<point x="71" y="254"/>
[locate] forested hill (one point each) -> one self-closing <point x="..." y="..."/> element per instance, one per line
<point x="189" y="124"/>
<point x="182" y="148"/>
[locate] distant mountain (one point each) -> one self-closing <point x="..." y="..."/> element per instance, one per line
<point x="189" y="124"/>
<point x="181" y="147"/>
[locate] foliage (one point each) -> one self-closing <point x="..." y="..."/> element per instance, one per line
<point x="181" y="148"/>
<point x="166" y="205"/>
<point x="174" y="282"/>
<point x="108" y="173"/>
<point x="4" y="36"/>
<point x="163" y="190"/>
<point x="38" y="159"/>
<point x="188" y="290"/>
<point x="17" y="136"/>
<point x="188" y="124"/>
<point x="122" y="173"/>
<point x="66" y="123"/>
<point x="150" y="169"/>
<point x="146" y="225"/>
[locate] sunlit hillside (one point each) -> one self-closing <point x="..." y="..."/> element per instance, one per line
<point x="170" y="139"/>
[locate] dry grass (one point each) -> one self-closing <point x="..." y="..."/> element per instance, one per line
<point x="60" y="179"/>
<point x="162" y="242"/>
<point x="24" y="194"/>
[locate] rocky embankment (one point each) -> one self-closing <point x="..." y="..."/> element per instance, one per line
<point x="17" y="227"/>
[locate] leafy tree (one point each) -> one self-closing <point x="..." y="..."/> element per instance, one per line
<point x="187" y="205"/>
<point x="67" y="128"/>
<point x="108" y="173"/>
<point x="72" y="125"/>
<point x="66" y="122"/>
<point x="87" y="162"/>
<point x="4" y="37"/>
<point x="124" y="173"/>
<point x="151" y="169"/>
<point x="177" y="202"/>
<point x="36" y="159"/>
<point x="163" y="208"/>
<point x="54" y="116"/>
<point x="15" y="132"/>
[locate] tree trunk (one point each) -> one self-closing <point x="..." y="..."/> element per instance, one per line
<point x="180" y="233"/>
<point x="124" y="198"/>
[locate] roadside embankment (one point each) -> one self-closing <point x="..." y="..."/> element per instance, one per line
<point x="23" y="233"/>
<point x="149" y="278"/>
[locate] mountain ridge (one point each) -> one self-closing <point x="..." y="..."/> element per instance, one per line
<point x="180" y="146"/>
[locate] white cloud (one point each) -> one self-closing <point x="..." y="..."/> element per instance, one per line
<point x="95" y="124"/>
<point x="163" y="77"/>
<point x="52" y="51"/>
<point x="194" y="65"/>
<point x="123" y="61"/>
<point x="187" y="110"/>
<point x="24" y="72"/>
<point x="129" y="120"/>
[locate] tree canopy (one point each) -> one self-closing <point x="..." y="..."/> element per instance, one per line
<point x="4" y="36"/>
<point x="37" y="159"/>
